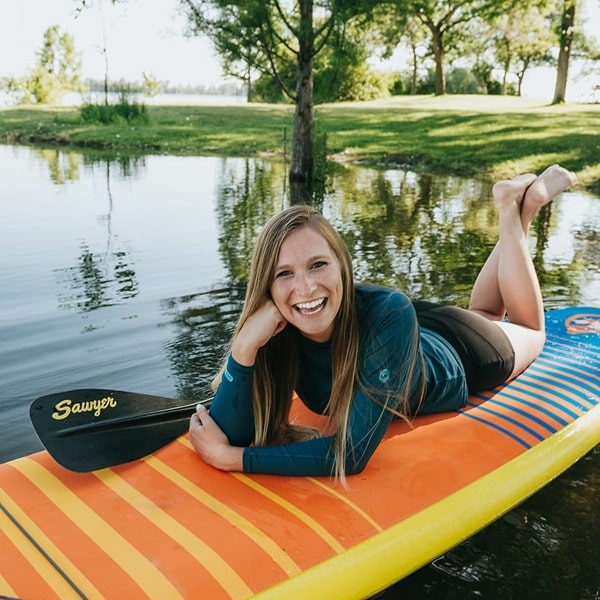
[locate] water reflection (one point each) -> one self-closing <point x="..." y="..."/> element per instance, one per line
<point x="203" y="324"/>
<point x="64" y="166"/>
<point x="248" y="193"/>
<point x="148" y="256"/>
<point x="98" y="280"/>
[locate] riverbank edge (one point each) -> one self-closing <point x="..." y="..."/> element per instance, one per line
<point x="475" y="136"/>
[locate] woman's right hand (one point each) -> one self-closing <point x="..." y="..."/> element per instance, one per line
<point x="257" y="330"/>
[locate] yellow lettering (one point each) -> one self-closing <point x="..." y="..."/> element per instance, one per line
<point x="66" y="407"/>
<point x="63" y="409"/>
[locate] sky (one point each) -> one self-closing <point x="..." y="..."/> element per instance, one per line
<point x="141" y="36"/>
<point x="147" y="36"/>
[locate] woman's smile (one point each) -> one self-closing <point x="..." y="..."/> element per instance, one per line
<point x="307" y="284"/>
<point x="310" y="308"/>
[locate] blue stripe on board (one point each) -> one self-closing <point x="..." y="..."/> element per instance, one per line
<point x="583" y="396"/>
<point x="516" y="422"/>
<point x="576" y="365"/>
<point x="559" y="353"/>
<point x="510" y="434"/>
<point x="551" y="400"/>
<point x="576" y="377"/>
<point x="581" y="379"/>
<point x="557" y="347"/>
<point x="526" y="413"/>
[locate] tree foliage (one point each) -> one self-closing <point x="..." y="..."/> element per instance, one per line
<point x="57" y="71"/>
<point x="522" y="39"/>
<point x="446" y="22"/>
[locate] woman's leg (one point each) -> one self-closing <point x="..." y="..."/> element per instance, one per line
<point x="508" y="285"/>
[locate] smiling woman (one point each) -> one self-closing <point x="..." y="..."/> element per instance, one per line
<point x="307" y="288"/>
<point x="363" y="354"/>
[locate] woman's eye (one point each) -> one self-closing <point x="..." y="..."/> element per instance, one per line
<point x="282" y="274"/>
<point x="319" y="264"/>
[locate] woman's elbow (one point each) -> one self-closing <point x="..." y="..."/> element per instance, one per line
<point x="356" y="464"/>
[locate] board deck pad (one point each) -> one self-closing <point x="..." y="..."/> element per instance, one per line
<point x="169" y="526"/>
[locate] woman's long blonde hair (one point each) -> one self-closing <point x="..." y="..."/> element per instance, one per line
<point x="277" y="363"/>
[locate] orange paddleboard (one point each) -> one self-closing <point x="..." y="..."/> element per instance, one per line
<point x="169" y="526"/>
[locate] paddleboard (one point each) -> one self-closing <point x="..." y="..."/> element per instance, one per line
<point x="169" y="526"/>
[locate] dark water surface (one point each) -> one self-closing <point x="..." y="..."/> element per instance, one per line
<point x="128" y="274"/>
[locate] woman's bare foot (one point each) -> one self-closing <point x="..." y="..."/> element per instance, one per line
<point x="512" y="191"/>
<point x="547" y="186"/>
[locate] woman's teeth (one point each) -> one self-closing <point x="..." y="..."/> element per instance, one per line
<point x="310" y="307"/>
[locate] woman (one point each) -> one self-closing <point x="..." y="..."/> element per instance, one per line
<point x="363" y="354"/>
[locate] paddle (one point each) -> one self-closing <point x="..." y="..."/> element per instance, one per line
<point x="90" y="429"/>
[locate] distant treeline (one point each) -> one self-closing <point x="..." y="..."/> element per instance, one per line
<point x="136" y="87"/>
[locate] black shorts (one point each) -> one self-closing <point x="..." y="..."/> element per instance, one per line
<point x="484" y="349"/>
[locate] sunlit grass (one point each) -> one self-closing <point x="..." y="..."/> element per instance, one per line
<point x="485" y="136"/>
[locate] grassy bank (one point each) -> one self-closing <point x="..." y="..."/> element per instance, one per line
<point x="469" y="135"/>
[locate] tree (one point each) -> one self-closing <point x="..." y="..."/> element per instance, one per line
<point x="390" y="28"/>
<point x="522" y="39"/>
<point x="445" y="21"/>
<point x="151" y="86"/>
<point x="57" y="71"/>
<point x="566" y="31"/>
<point x="260" y="36"/>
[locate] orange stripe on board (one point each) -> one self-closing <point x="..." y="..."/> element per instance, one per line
<point x="110" y="541"/>
<point x="574" y="365"/>
<point x="542" y="419"/>
<point x="215" y="564"/>
<point x="348" y="502"/>
<point x="554" y="374"/>
<point x="502" y="417"/>
<point x="297" y="512"/>
<point x="39" y="579"/>
<point x="279" y="556"/>
<point x="555" y="396"/>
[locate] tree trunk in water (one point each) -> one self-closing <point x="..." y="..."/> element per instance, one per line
<point x="301" y="162"/>
<point x="438" y="51"/>
<point x="567" y="25"/>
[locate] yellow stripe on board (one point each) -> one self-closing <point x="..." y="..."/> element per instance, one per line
<point x="37" y="561"/>
<point x="6" y="525"/>
<point x="229" y="580"/>
<point x="300" y="514"/>
<point x="292" y="508"/>
<point x="5" y="589"/>
<point x="348" y="502"/>
<point x="278" y="555"/>
<point x="142" y="570"/>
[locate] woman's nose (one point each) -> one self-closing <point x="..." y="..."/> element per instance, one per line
<point x="305" y="283"/>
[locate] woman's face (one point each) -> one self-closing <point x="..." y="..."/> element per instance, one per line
<point x="307" y="285"/>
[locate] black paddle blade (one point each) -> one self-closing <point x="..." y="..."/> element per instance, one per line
<point x="90" y="429"/>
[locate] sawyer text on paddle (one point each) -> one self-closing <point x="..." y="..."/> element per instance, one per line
<point x="67" y="407"/>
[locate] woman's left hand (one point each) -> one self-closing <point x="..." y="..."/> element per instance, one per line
<point x="212" y="444"/>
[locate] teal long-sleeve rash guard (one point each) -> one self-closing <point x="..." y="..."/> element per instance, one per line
<point x="389" y="332"/>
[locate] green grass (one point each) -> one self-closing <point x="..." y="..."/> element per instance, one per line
<point x="486" y="136"/>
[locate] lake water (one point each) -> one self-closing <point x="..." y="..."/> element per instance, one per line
<point x="128" y="274"/>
